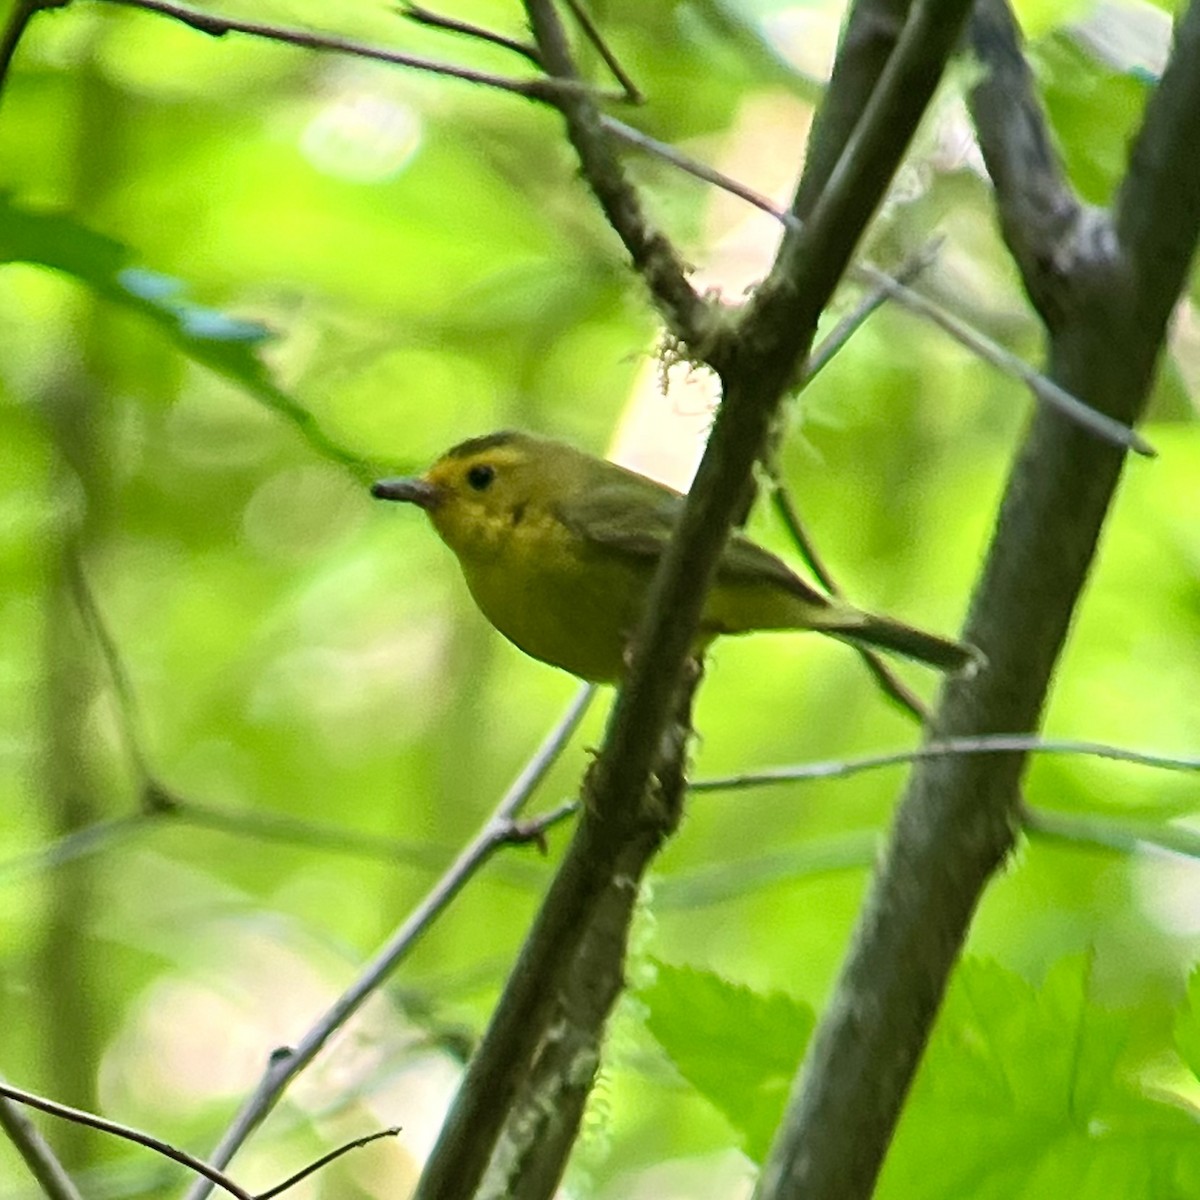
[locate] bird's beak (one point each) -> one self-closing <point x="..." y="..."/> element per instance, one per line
<point x="413" y="491"/>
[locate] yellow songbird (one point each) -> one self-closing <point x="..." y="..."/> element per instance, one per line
<point x="558" y="549"/>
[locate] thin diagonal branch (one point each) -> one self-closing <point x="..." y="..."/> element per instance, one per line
<point x="1002" y="743"/>
<point x="884" y="675"/>
<point x="324" y="1161"/>
<point x="729" y="879"/>
<point x="881" y="291"/>
<point x="70" y="847"/>
<point x="424" y="16"/>
<point x="129" y="720"/>
<point x="43" y="1163"/>
<point x="632" y="92"/>
<point x="971" y="338"/>
<point x="1044" y="389"/>
<point x="500" y="829"/>
<point x="1090" y="832"/>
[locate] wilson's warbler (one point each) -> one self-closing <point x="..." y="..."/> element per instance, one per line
<point x="558" y="549"/>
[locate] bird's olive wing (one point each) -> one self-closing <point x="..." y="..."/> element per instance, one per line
<point x="745" y="561"/>
<point x="638" y="523"/>
<point x="625" y="518"/>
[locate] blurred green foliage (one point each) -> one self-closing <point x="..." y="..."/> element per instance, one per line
<point x="430" y="267"/>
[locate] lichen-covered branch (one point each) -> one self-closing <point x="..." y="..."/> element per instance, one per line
<point x="695" y="321"/>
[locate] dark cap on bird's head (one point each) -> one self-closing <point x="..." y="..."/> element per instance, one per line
<point x="420" y="492"/>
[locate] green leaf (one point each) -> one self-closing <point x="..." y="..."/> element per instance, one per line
<point x="1093" y="109"/>
<point x="224" y="344"/>
<point x="1021" y="1096"/>
<point x="737" y="1047"/>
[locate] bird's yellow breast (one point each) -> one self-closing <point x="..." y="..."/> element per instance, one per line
<point x="540" y="587"/>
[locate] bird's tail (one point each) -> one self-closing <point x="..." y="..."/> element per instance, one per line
<point x="885" y="634"/>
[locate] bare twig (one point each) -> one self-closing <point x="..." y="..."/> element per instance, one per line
<point x="621" y="132"/>
<point x="500" y="829"/>
<point x="127" y="710"/>
<point x="591" y="30"/>
<point x="839" y="336"/>
<point x="542" y="88"/>
<point x="1002" y="743"/>
<point x="718" y="882"/>
<point x="41" y="1160"/>
<point x="77" y="844"/>
<point x="325" y="1160"/>
<point x="318" y="835"/>
<point x="885" y="676"/>
<point x="210" y="1174"/>
<point x="424" y="16"/>
<point x="1044" y="389"/>
<point x="206" y="1171"/>
<point x="269" y="827"/>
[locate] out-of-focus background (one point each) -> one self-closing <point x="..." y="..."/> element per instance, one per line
<point x="197" y="588"/>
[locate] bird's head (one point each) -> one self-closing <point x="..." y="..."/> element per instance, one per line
<point x="481" y="491"/>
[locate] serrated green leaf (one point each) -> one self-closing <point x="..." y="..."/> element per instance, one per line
<point x="1021" y="1096"/>
<point x="737" y="1047"/>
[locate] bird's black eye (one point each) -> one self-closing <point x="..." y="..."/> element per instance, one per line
<point x="481" y="476"/>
